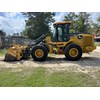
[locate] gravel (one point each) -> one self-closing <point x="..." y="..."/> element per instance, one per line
<point x="88" y="63"/>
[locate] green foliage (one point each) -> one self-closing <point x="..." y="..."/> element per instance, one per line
<point x="2" y="33"/>
<point x="98" y="19"/>
<point x="84" y="22"/>
<point x="3" y="52"/>
<point x="42" y="77"/>
<point x="97" y="44"/>
<point x="24" y="32"/>
<point x="96" y="27"/>
<point x="81" y="20"/>
<point x="71" y="17"/>
<point x="38" y="23"/>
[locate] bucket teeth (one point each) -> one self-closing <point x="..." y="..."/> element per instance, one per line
<point x="9" y="57"/>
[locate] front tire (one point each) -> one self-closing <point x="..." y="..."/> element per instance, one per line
<point x="39" y="53"/>
<point x="73" y="52"/>
<point x="46" y="46"/>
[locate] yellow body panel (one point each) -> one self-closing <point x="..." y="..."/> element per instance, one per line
<point x="86" y="43"/>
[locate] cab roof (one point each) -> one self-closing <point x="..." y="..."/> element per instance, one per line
<point x="63" y="22"/>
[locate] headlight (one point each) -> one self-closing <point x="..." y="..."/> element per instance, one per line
<point x="79" y="36"/>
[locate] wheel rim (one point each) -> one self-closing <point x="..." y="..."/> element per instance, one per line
<point x="73" y="52"/>
<point x="39" y="53"/>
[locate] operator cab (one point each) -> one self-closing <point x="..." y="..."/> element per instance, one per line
<point x="61" y="31"/>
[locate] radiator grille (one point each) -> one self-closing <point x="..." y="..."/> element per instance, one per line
<point x="88" y="41"/>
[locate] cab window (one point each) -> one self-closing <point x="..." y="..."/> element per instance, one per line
<point x="59" y="33"/>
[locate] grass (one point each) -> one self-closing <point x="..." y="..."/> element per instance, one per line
<point x="97" y="44"/>
<point x="41" y="77"/>
<point x="3" y="52"/>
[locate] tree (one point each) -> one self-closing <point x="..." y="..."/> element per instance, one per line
<point x="96" y="27"/>
<point x="2" y="33"/>
<point x="2" y="37"/>
<point x="82" y="20"/>
<point x="38" y="23"/>
<point x="71" y="17"/>
<point x="24" y="32"/>
<point x="98" y="19"/>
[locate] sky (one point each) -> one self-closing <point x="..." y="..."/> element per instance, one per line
<point x="14" y="22"/>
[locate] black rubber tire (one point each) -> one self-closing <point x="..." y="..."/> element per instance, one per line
<point x="67" y="49"/>
<point x="43" y="58"/>
<point x="46" y="46"/>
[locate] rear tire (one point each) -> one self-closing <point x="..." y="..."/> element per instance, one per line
<point x="39" y="53"/>
<point x="73" y="52"/>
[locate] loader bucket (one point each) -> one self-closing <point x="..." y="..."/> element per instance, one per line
<point x="14" y="53"/>
<point x="9" y="57"/>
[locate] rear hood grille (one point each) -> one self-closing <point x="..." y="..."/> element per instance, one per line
<point x="88" y="41"/>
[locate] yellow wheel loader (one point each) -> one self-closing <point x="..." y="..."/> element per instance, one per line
<point x="72" y="45"/>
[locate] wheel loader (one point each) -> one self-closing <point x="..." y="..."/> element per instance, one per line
<point x="72" y="45"/>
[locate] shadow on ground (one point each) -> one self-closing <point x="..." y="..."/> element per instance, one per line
<point x="83" y="62"/>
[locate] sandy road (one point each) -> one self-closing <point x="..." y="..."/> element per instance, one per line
<point x="88" y="63"/>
